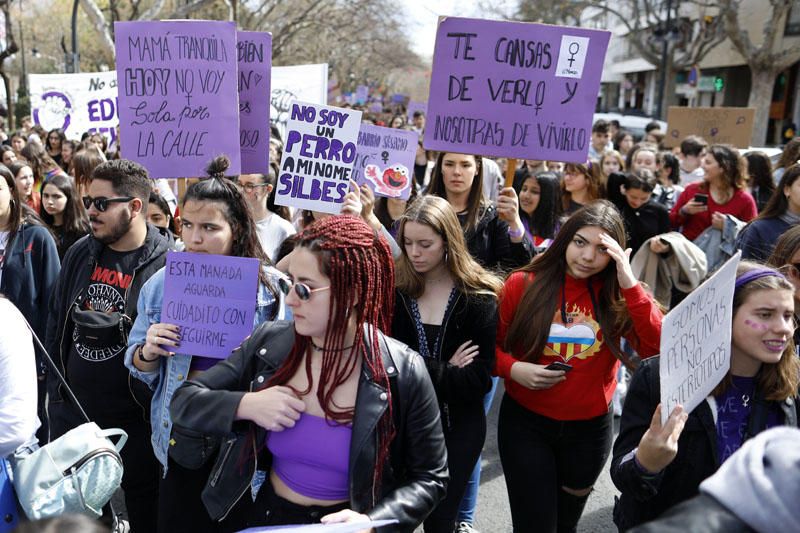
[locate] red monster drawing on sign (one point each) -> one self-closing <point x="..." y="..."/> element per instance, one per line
<point x="392" y="182"/>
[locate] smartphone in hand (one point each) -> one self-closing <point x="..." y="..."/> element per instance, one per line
<point x="701" y="198"/>
<point x="558" y="365"/>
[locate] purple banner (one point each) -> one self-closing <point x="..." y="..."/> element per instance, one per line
<point x="212" y="298"/>
<point x="255" y="62"/>
<point x="385" y="160"/>
<point x="318" y="158"/>
<point x="416" y="106"/>
<point x="178" y="103"/>
<point x="513" y="89"/>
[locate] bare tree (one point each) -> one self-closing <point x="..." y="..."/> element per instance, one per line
<point x="8" y="51"/>
<point x="765" y="61"/>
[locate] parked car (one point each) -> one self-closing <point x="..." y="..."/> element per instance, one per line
<point x="633" y="123"/>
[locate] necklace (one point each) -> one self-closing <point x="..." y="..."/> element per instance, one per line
<point x="320" y="349"/>
<point x="745" y="400"/>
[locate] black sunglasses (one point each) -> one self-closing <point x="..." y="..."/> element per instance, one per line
<point x="101" y="202"/>
<point x="302" y="290"/>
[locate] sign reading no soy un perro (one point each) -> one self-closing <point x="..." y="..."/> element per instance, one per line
<point x="178" y="99"/>
<point x="513" y="89"/>
<point x="213" y="300"/>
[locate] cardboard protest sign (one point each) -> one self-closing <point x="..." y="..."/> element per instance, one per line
<point x="318" y="157"/>
<point x="307" y="83"/>
<point x="76" y="103"/>
<point x="414" y="107"/>
<point x="514" y="89"/>
<point x="385" y="160"/>
<point x="213" y="300"/>
<point x="717" y="125"/>
<point x="255" y="61"/>
<point x="178" y="95"/>
<point x="696" y="341"/>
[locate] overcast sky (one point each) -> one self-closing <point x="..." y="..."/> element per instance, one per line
<point x="422" y="16"/>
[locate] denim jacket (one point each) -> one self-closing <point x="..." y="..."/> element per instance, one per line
<point x="173" y="371"/>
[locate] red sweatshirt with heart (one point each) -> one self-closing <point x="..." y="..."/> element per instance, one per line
<point x="577" y="341"/>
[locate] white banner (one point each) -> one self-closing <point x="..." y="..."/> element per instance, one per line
<point x="306" y="83"/>
<point x="696" y="341"/>
<point x="76" y="103"/>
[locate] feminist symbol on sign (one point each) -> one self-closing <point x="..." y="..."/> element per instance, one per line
<point x="385" y="156"/>
<point x="574" y="48"/>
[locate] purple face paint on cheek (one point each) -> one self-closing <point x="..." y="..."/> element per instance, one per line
<point x="756" y="325"/>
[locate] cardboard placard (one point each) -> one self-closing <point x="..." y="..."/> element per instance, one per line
<point x="513" y="89"/>
<point x="254" y="49"/>
<point x="178" y="95"/>
<point x="76" y="103"/>
<point x="213" y="300"/>
<point x="696" y="341"/>
<point x="318" y="157"/>
<point x="717" y="125"/>
<point x="385" y="160"/>
<point x="307" y="83"/>
<point x="416" y="106"/>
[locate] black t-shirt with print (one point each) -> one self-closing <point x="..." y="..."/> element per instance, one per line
<point x="97" y="374"/>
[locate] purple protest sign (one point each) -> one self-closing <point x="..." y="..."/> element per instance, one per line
<point x="213" y="300"/>
<point x="362" y="94"/>
<point x="255" y="62"/>
<point x="178" y="103"/>
<point x="514" y="89"/>
<point x="385" y="160"/>
<point x="414" y="107"/>
<point x="376" y="107"/>
<point x="318" y="158"/>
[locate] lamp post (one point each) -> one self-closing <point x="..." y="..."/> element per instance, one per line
<point x="664" y="56"/>
<point x="74" y="65"/>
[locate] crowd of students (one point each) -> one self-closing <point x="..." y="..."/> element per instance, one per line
<point x="380" y="333"/>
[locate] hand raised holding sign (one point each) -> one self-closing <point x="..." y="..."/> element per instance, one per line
<point x="159" y="335"/>
<point x="508" y="210"/>
<point x="352" y="201"/>
<point x="659" y="444"/>
<point x="274" y="408"/>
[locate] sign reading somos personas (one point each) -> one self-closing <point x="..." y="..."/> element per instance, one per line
<point x="513" y="89"/>
<point x="318" y="157"/>
<point x="254" y="50"/>
<point x="696" y="341"/>
<point x="178" y="98"/>
<point x="213" y="300"/>
<point x="385" y="160"/>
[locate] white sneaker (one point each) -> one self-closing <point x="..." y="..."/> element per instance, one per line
<point x="465" y="527"/>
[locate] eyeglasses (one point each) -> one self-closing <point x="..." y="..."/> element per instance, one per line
<point x="250" y="187"/>
<point x="101" y="202"/>
<point x="302" y="290"/>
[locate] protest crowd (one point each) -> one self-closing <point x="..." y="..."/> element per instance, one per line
<point x="375" y="331"/>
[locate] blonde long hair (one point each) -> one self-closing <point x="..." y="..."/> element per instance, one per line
<point x="469" y="276"/>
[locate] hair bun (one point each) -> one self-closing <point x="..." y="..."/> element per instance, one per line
<point x="218" y="166"/>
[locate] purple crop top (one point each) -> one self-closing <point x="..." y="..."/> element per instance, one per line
<point x="313" y="457"/>
<point x="202" y="363"/>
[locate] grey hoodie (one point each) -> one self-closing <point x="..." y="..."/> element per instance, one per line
<point x="760" y="483"/>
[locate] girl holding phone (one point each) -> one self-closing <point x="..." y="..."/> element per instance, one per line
<point x="571" y="305"/>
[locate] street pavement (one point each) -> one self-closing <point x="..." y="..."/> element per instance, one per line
<point x="493" y="514"/>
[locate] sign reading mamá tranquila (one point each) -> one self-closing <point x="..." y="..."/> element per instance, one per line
<point x="514" y="89"/>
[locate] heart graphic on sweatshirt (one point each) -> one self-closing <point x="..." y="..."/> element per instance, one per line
<point x="569" y="342"/>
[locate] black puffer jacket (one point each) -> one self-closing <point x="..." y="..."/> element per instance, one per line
<point x="415" y="476"/>
<point x="647" y="497"/>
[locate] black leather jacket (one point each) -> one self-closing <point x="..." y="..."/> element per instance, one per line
<point x="414" y="478"/>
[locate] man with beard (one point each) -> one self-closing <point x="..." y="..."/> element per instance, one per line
<point x="93" y="307"/>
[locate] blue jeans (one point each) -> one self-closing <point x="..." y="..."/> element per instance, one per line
<point x="466" y="511"/>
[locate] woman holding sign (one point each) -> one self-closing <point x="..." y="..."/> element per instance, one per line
<point x="326" y="418"/>
<point x="216" y="220"/>
<point x="657" y="466"/>
<point x="495" y="235"/>
<point x="446" y="309"/>
<point x="558" y="343"/>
